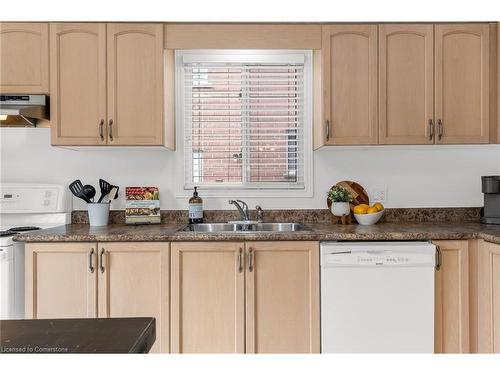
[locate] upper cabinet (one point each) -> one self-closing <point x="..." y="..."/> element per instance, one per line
<point x="78" y="83"/>
<point x="106" y="84"/>
<point x="135" y="84"/>
<point x="406" y="100"/>
<point x="24" y="58"/>
<point x="350" y="84"/>
<point x="462" y="83"/>
<point x="433" y="84"/>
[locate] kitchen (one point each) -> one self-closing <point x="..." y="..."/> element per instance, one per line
<point x="258" y="167"/>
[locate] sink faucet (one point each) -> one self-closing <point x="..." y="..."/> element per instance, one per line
<point x="243" y="209"/>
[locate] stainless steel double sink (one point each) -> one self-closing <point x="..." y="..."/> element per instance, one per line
<point x="251" y="227"/>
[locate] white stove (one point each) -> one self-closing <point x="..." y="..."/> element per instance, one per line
<point x="25" y="207"/>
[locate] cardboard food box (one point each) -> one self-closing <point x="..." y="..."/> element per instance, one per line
<point x="142" y="205"/>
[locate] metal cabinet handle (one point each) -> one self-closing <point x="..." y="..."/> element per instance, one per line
<point x="101" y="264"/>
<point x="240" y="260"/>
<point x="327" y="130"/>
<point x="111" y="129"/>
<point x="91" y="261"/>
<point x="250" y="259"/>
<point x="431" y="129"/>
<point x="440" y="129"/>
<point x="439" y="258"/>
<point x="101" y="129"/>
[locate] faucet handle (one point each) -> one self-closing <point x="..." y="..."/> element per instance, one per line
<point x="245" y="206"/>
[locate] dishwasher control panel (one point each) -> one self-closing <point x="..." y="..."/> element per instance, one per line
<point x="373" y="255"/>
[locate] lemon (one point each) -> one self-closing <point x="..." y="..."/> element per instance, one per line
<point x="363" y="205"/>
<point x="379" y="206"/>
<point x="360" y="209"/>
<point x="372" y="210"/>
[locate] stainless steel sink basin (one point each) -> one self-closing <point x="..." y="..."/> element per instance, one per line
<point x="260" y="227"/>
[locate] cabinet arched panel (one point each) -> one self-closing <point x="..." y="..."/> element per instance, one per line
<point x="135" y="84"/>
<point x="350" y="83"/>
<point x="24" y="58"/>
<point x="406" y="100"/>
<point x="78" y="83"/>
<point x="462" y="83"/>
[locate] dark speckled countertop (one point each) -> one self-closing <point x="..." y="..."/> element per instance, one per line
<point x="317" y="232"/>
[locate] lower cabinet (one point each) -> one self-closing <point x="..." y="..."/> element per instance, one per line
<point x="61" y="280"/>
<point x="253" y="297"/>
<point x="89" y="280"/>
<point x="488" y="296"/>
<point x="452" y="298"/>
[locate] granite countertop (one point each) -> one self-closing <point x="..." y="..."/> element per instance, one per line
<point x="317" y="232"/>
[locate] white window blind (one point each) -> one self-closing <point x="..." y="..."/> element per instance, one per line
<point x="244" y="119"/>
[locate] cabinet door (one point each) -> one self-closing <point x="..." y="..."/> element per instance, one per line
<point x="135" y="84"/>
<point x="207" y="297"/>
<point x="452" y="298"/>
<point x="61" y="280"/>
<point x="488" y="298"/>
<point x="350" y="84"/>
<point x="134" y="282"/>
<point x="462" y="83"/>
<point x="24" y="57"/>
<point x="282" y="297"/>
<point x="78" y="83"/>
<point x="406" y="93"/>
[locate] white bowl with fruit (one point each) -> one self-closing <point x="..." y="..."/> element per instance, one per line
<point x="368" y="215"/>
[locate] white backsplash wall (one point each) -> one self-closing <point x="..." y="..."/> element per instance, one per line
<point x="412" y="176"/>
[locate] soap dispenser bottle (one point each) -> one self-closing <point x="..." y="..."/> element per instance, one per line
<point x="195" y="208"/>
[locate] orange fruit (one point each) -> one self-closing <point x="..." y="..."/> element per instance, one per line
<point x="360" y="209"/>
<point x="371" y="210"/>
<point x="379" y="206"/>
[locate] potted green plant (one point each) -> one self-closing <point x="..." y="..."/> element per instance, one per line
<point x="341" y="199"/>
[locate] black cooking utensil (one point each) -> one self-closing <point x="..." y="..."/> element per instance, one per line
<point x="89" y="192"/>
<point x="76" y="187"/>
<point x="105" y="189"/>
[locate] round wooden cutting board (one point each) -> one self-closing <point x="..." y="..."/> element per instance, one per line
<point x="359" y="194"/>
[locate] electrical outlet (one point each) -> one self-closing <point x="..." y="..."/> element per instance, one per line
<point x="379" y="194"/>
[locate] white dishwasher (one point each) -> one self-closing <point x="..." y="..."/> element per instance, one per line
<point x="377" y="297"/>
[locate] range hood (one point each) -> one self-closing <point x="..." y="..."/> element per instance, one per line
<point x="22" y="110"/>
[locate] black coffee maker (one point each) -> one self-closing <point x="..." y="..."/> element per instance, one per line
<point x="491" y="189"/>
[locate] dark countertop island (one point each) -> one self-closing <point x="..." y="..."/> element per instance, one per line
<point x="112" y="335"/>
<point x="318" y="232"/>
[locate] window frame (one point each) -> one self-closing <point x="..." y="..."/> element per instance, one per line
<point x="237" y="189"/>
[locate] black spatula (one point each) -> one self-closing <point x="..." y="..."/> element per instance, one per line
<point x="105" y="189"/>
<point x="76" y="187"/>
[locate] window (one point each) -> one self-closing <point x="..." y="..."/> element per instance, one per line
<point x="246" y="120"/>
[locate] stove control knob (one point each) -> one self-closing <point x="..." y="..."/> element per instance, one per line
<point x="48" y="193"/>
<point x="46" y="202"/>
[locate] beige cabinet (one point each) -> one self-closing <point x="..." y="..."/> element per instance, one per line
<point x="406" y="93"/>
<point x="245" y="297"/>
<point x="133" y="281"/>
<point x="61" y="280"/>
<point x="452" y="298"/>
<point x="350" y="84"/>
<point x="135" y="84"/>
<point x="24" y="58"/>
<point x="78" y="83"/>
<point x="208" y="297"/>
<point x="282" y="297"/>
<point x="462" y="75"/>
<point x="106" y="84"/>
<point x="89" y="280"/>
<point x="488" y="331"/>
